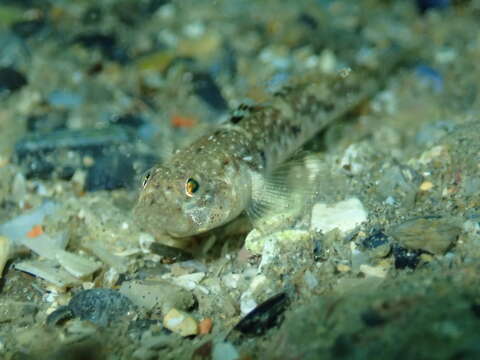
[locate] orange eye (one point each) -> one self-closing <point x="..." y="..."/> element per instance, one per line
<point x="191" y="187"/>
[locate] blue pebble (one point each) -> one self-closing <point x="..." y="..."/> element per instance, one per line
<point x="64" y="99"/>
<point x="430" y="77"/>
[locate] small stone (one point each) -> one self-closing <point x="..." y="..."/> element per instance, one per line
<point x="205" y="326"/>
<point x="343" y="268"/>
<point x="264" y="316"/>
<point x="11" y="80"/>
<point x="151" y="294"/>
<point x="377" y="244"/>
<point x="426" y="186"/>
<point x="180" y="323"/>
<point x="376" y="271"/>
<point x="100" y="306"/>
<point x="344" y="215"/>
<point x="433" y="235"/>
<point x="5" y="251"/>
<point x="225" y="351"/>
<point x="405" y="258"/>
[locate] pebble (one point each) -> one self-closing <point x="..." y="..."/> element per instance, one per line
<point x="426" y="186"/>
<point x="106" y="43"/>
<point x="405" y="258"/>
<point x="434" y="235"/>
<point x="377" y="244"/>
<point x="205" y="326"/>
<point x="11" y="79"/>
<point x="225" y="351"/>
<point x="151" y="294"/>
<point x="100" y="306"/>
<point x="430" y="77"/>
<point x="376" y="271"/>
<point x="65" y="99"/>
<point x="180" y="323"/>
<point x="264" y="316"/>
<point x="345" y="216"/>
<point x="5" y="251"/>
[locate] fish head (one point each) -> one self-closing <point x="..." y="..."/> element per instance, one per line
<point x="185" y="198"/>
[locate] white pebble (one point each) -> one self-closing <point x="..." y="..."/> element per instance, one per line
<point x="344" y="216"/>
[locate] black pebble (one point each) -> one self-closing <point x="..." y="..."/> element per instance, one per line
<point x="405" y="258"/>
<point x="207" y="89"/>
<point x="100" y="306"/>
<point x="378" y="238"/>
<point x="106" y="43"/>
<point x="11" y="80"/>
<point x="265" y="316"/>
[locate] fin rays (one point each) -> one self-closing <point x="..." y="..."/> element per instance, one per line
<point x="282" y="196"/>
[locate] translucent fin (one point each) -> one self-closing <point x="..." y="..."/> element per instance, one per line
<point x="281" y="198"/>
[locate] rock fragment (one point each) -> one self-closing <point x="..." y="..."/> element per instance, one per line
<point x="100" y="306"/>
<point x="152" y="294"/>
<point x="5" y="251"/>
<point x="180" y="323"/>
<point x="344" y="215"/>
<point x="434" y="235"/>
<point x="11" y="80"/>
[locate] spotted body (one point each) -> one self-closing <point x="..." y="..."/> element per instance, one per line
<point x="216" y="178"/>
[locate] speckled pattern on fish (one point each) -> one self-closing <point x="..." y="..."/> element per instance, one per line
<point x="213" y="180"/>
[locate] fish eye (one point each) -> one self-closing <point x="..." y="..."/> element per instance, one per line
<point x="191" y="186"/>
<point x="146" y="177"/>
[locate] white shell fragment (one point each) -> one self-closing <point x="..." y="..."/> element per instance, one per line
<point x="112" y="260"/>
<point x="49" y="271"/>
<point x="180" y="323"/>
<point x="77" y="265"/>
<point x="46" y="245"/>
<point x="344" y="216"/>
